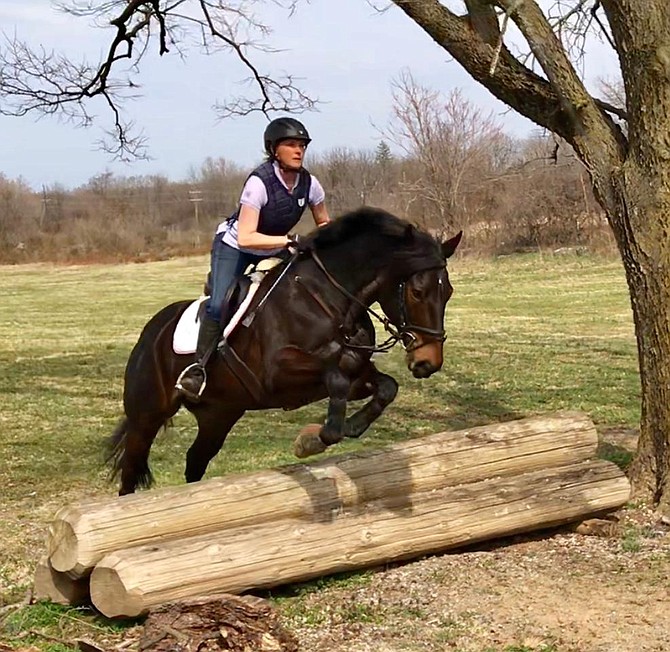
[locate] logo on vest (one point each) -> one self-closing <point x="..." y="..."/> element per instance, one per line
<point x="301" y="202"/>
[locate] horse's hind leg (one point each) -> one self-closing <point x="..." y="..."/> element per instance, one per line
<point x="129" y="449"/>
<point x="214" y="424"/>
<point x="385" y="389"/>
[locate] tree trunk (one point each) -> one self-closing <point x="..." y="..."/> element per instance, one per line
<point x="642" y="237"/>
<point x="636" y="200"/>
<point x="630" y="172"/>
<point x="639" y="213"/>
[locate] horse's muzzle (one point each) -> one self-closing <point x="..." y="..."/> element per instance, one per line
<point x="422" y="368"/>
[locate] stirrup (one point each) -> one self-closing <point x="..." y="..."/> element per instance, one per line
<point x="184" y="390"/>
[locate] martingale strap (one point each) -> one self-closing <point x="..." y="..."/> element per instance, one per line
<point x="317" y="297"/>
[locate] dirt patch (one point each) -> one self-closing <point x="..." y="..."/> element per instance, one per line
<point x="602" y="588"/>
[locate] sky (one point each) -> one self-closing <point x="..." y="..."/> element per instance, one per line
<point x="342" y="51"/>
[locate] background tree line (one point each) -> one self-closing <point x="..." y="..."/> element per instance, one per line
<point x="440" y="162"/>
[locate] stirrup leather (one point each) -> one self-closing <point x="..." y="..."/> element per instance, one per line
<point x="184" y="390"/>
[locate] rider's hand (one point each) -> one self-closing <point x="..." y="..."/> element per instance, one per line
<point x="299" y="243"/>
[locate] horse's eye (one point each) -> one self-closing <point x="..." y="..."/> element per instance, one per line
<point x="415" y="294"/>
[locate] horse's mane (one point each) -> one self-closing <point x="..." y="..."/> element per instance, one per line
<point x="375" y="231"/>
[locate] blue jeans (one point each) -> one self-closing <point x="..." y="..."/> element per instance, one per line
<point x="227" y="264"/>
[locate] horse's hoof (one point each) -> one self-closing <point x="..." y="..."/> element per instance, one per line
<point x="308" y="442"/>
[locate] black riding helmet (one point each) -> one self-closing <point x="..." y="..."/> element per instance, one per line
<point x="282" y="129"/>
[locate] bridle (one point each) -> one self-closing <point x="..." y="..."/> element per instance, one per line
<point x="401" y="333"/>
<point x="405" y="330"/>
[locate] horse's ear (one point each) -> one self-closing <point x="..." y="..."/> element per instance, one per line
<point x="449" y="246"/>
<point x="409" y="232"/>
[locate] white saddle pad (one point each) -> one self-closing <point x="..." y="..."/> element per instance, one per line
<point x="185" y="335"/>
<point x="185" y="338"/>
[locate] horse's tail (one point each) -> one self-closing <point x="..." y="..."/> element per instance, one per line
<point x="116" y="452"/>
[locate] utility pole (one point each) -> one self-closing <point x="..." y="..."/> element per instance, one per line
<point x="43" y="212"/>
<point x="195" y="197"/>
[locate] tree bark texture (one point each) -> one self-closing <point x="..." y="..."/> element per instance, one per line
<point x="640" y="218"/>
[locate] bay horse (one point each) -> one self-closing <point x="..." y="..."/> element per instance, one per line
<point x="311" y="338"/>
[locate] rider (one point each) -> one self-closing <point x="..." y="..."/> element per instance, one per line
<point x="273" y="199"/>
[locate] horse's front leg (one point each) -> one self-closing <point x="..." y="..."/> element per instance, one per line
<point x="311" y="442"/>
<point x="384" y="391"/>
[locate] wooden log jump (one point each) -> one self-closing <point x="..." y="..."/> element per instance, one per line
<point x="81" y="535"/>
<point x="300" y="521"/>
<point x="129" y="582"/>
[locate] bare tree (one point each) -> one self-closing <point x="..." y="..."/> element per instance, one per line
<point x="544" y="199"/>
<point x="454" y="145"/>
<point x="351" y="176"/>
<point x="36" y="80"/>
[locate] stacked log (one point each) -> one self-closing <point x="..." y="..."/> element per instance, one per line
<point x="300" y="521"/>
<point x="58" y="587"/>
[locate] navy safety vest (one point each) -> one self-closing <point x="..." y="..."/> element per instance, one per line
<point x="284" y="209"/>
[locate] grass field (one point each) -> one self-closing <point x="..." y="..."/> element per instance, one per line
<point x="526" y="335"/>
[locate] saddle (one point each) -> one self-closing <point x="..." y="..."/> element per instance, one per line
<point x="234" y="307"/>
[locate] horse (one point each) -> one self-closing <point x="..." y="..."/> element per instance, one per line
<point x="310" y="337"/>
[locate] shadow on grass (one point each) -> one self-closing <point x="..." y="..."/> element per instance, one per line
<point x="82" y="374"/>
<point x="621" y="456"/>
<point x="465" y="403"/>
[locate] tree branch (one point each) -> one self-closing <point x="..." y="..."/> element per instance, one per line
<point x="49" y="83"/>
<point x="551" y="56"/>
<point x="513" y="83"/>
<point x="483" y="20"/>
<point x="551" y="103"/>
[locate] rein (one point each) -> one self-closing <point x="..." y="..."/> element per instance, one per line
<point x="386" y="345"/>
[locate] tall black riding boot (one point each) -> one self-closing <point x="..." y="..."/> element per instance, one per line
<point x="191" y="382"/>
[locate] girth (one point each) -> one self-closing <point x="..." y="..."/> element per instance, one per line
<point x="242" y="372"/>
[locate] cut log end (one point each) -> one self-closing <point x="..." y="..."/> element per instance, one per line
<point x="109" y="595"/>
<point x="62" y="546"/>
<point x="59" y="587"/>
